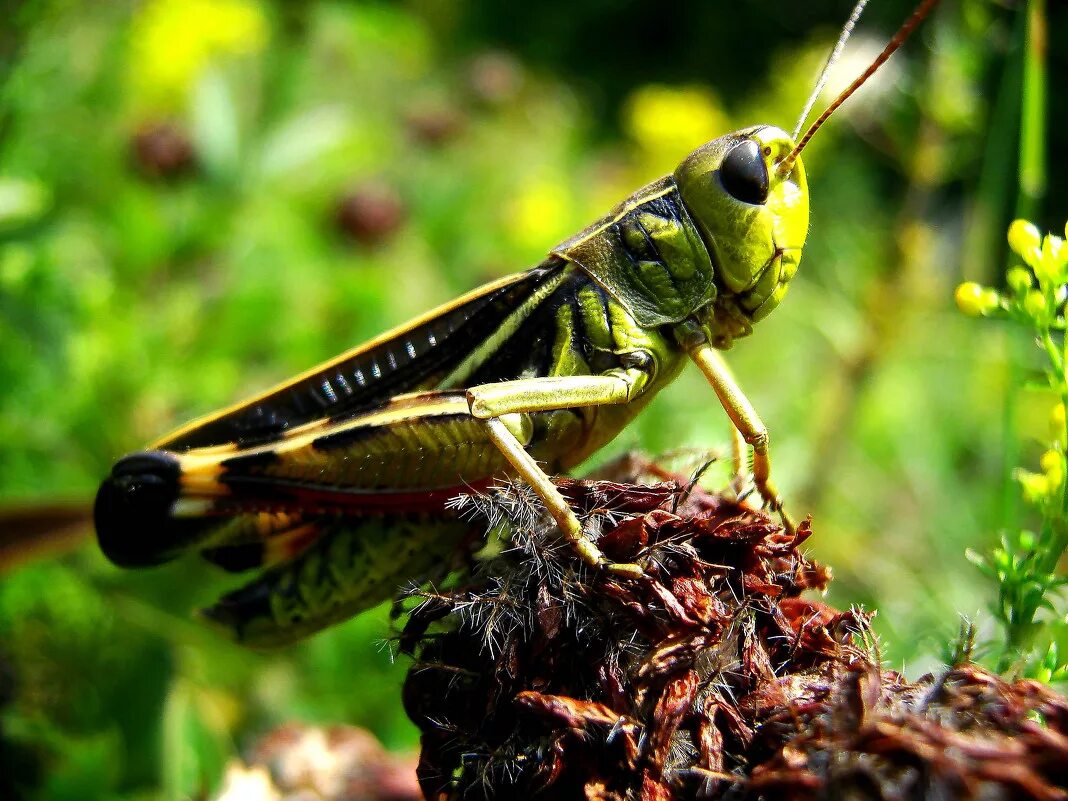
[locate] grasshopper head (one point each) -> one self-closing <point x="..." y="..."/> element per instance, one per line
<point x="753" y="220"/>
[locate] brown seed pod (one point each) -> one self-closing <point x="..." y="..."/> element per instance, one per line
<point x="434" y="124"/>
<point x="495" y="78"/>
<point x="162" y="150"/>
<point x="370" y="213"/>
<point x="331" y="763"/>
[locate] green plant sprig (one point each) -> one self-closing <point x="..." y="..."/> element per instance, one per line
<point x="1024" y="565"/>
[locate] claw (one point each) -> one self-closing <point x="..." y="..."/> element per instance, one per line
<point x="787" y="522"/>
<point x="774" y="504"/>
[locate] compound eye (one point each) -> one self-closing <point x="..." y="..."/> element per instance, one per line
<point x="744" y="174"/>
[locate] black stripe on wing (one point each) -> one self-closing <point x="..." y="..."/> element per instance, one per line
<point x="409" y="359"/>
<point x="530" y="350"/>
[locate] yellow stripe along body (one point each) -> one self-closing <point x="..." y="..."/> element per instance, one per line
<point x="427" y="440"/>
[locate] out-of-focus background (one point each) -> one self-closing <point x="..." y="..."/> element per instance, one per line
<point x="199" y="198"/>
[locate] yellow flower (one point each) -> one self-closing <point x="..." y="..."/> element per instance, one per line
<point x="1052" y="463"/>
<point x="539" y="214"/>
<point x="668" y="122"/>
<point x="1047" y="256"/>
<point x="1056" y="421"/>
<point x="975" y="300"/>
<point x="173" y="41"/>
<point x="1019" y="279"/>
<point x="1034" y="304"/>
<point x="1036" y="486"/>
<point x="1025" y="239"/>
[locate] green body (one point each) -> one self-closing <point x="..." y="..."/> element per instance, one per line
<point x="317" y="478"/>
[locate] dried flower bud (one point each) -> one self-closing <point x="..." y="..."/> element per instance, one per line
<point x="162" y="150"/>
<point x="495" y="78"/>
<point x="434" y="125"/>
<point x="371" y="213"/>
<point x="331" y="763"/>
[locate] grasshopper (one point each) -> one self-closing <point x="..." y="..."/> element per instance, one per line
<point x="337" y="482"/>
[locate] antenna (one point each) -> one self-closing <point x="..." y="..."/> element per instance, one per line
<point x="832" y="59"/>
<point x="903" y="33"/>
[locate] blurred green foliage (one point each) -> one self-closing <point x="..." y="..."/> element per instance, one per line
<point x="198" y="199"/>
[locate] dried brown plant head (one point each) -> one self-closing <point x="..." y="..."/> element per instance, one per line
<point x="711" y="677"/>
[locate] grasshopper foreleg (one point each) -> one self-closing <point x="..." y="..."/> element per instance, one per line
<point x="746" y="421"/>
<point x="490" y="402"/>
<point x="739" y="465"/>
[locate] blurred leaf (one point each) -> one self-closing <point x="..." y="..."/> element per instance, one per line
<point x="300" y="142"/>
<point x="216" y="134"/>
<point x="195" y="743"/>
<point x="77" y="767"/>
<point x="88" y="768"/>
<point x="22" y="201"/>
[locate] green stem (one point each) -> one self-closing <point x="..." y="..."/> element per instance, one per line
<point x="1018" y="601"/>
<point x="1064" y="439"/>
<point x="1033" y="114"/>
<point x="1055" y="359"/>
